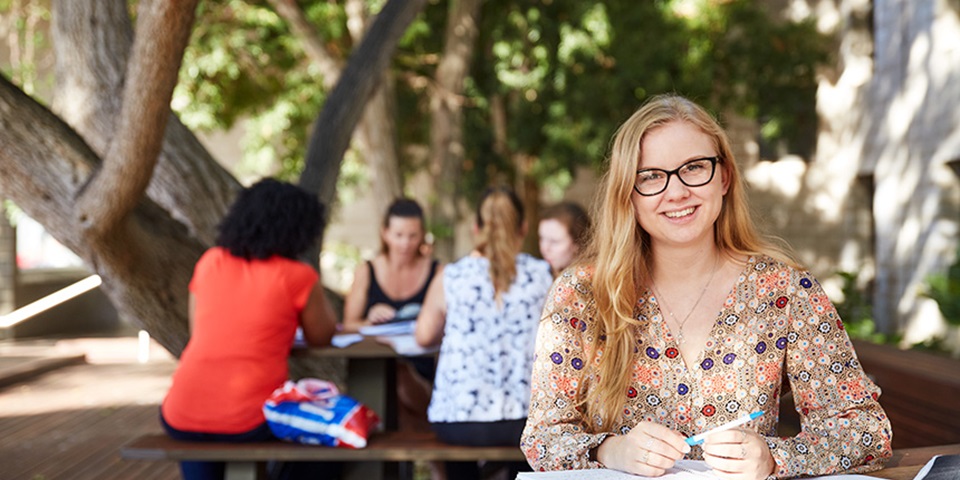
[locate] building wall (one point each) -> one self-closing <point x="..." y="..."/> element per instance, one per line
<point x="879" y="198"/>
<point x="912" y="130"/>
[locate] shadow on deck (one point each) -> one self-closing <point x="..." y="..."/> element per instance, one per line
<point x="69" y="418"/>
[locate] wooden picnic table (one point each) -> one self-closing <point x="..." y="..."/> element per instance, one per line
<point x="371" y="379"/>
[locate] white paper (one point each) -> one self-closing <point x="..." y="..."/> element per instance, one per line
<point x="682" y="470"/>
<point x="392" y="328"/>
<point x="406" y="345"/>
<point x="345" y="339"/>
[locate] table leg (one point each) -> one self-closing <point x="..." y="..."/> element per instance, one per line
<point x="240" y="471"/>
<point x="372" y="381"/>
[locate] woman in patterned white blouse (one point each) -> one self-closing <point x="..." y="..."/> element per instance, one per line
<point x="681" y="318"/>
<point x="485" y="308"/>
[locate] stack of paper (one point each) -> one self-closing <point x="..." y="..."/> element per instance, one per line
<point x="682" y="470"/>
<point x="392" y="328"/>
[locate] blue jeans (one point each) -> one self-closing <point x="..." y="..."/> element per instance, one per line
<point x="262" y="433"/>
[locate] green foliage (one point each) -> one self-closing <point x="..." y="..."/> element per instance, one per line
<point x="944" y="288"/>
<point x="243" y="62"/>
<point x="857" y="313"/>
<point x="26" y="41"/>
<point x="565" y="72"/>
<point x="570" y="71"/>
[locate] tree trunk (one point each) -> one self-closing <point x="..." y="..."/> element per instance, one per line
<point x="347" y="101"/>
<point x="147" y="260"/>
<point x="43" y="168"/>
<point x="92" y="41"/>
<point x="375" y="137"/>
<point x="446" y="118"/>
<point x="376" y="141"/>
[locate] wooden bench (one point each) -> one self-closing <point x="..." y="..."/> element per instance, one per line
<point x="920" y="392"/>
<point x="245" y="460"/>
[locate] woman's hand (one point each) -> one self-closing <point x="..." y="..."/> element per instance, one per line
<point x="381" y="313"/>
<point x="738" y="455"/>
<point x="649" y="449"/>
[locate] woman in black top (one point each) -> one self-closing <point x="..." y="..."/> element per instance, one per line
<point x="392" y="286"/>
<point x="398" y="276"/>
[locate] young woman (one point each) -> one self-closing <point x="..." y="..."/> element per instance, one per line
<point x="563" y="232"/>
<point x="398" y="276"/>
<point x="483" y="311"/>
<point x="681" y="318"/>
<point x="396" y="281"/>
<point x="248" y="295"/>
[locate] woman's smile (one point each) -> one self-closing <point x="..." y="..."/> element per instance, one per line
<point x="680" y="213"/>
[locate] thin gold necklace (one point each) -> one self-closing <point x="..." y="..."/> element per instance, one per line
<point x="662" y="301"/>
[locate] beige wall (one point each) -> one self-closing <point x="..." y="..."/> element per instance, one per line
<point x="888" y="113"/>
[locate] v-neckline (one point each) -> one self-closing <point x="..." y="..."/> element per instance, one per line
<point x="670" y="340"/>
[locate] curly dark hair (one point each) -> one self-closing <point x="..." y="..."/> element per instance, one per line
<point x="271" y="218"/>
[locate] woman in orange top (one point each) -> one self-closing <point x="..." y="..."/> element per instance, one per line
<point x="248" y="295"/>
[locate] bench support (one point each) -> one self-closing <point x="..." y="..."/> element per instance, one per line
<point x="241" y="471"/>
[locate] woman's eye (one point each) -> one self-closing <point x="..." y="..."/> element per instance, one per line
<point x="649" y="176"/>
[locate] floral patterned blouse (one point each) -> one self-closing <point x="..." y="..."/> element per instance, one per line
<point x="775" y="322"/>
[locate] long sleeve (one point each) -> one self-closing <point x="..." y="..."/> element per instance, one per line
<point x="843" y="425"/>
<point x="557" y="436"/>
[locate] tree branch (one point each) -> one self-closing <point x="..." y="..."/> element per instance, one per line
<point x="163" y="30"/>
<point x="330" y="66"/>
<point x="339" y="117"/>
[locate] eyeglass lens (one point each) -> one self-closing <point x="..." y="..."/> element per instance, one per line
<point x="694" y="173"/>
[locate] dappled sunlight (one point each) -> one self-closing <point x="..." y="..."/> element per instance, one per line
<point x="906" y="106"/>
<point x="783" y="177"/>
<point x="946" y="31"/>
<point x="919" y="328"/>
<point x="88" y="387"/>
<point x="916" y="194"/>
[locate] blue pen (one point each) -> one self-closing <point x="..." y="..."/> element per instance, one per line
<point x="698" y="438"/>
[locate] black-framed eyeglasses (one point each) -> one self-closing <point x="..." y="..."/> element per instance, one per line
<point x="695" y="173"/>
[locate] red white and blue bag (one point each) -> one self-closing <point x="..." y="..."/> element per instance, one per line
<point x="313" y="412"/>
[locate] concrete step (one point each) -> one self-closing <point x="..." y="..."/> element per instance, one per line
<point x="19" y="368"/>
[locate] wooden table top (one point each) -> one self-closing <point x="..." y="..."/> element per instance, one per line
<point x="905" y="463"/>
<point x="367" y="348"/>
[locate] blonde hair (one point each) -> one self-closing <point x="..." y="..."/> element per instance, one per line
<point x="620" y="249"/>
<point x="500" y="223"/>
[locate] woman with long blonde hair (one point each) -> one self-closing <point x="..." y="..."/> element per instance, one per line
<point x="681" y="318"/>
<point x="484" y="311"/>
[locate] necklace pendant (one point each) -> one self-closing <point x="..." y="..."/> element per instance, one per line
<point x="680" y="338"/>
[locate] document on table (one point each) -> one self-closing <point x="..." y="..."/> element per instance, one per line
<point x="406" y="345"/>
<point x="682" y="470"/>
<point x="343" y="340"/>
<point x="404" y="327"/>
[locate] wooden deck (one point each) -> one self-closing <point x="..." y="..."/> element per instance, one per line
<point x="70" y="423"/>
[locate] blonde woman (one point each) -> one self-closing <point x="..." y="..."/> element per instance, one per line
<point x="681" y="318"/>
<point x="483" y="311"/>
